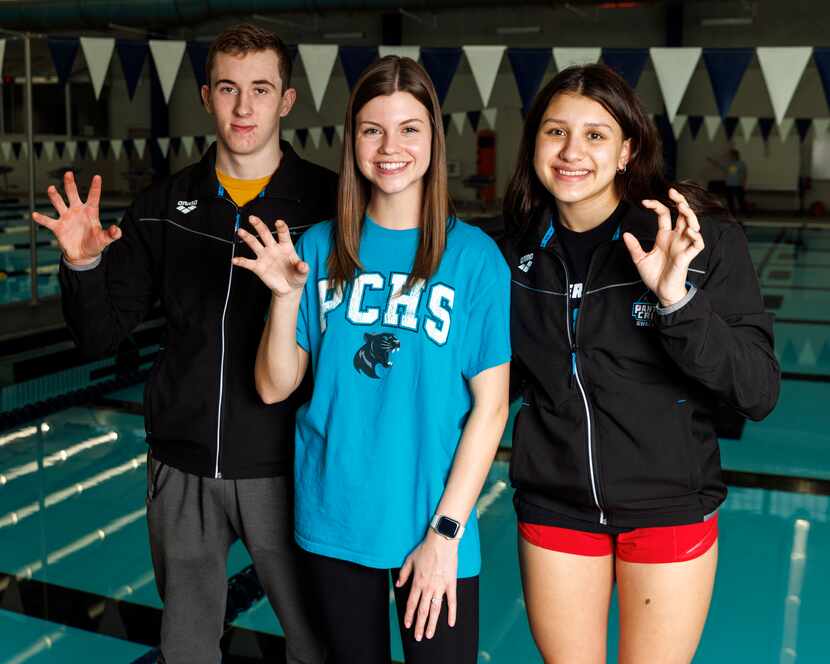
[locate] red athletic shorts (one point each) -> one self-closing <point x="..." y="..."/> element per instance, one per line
<point x="666" y="544"/>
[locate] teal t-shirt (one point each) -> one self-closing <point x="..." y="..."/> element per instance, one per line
<point x="376" y="443"/>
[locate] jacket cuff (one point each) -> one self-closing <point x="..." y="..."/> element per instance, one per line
<point x="81" y="268"/>
<point x="665" y="311"/>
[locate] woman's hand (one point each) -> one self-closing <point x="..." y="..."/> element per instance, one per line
<point x="78" y="227"/>
<point x="276" y="262"/>
<point x="664" y="268"/>
<point x="433" y="566"/>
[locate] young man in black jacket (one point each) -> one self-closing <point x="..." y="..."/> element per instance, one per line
<point x="220" y="461"/>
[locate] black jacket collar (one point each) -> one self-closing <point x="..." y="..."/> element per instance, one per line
<point x="287" y="182"/>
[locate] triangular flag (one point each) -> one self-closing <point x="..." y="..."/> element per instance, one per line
<point x="98" y="53"/>
<point x="355" y="59"/>
<point x="288" y="135"/>
<point x="316" y="133"/>
<point x="200" y="142"/>
<point x="132" y="53"/>
<point x="38" y="145"/>
<point x="674" y="68"/>
<point x="726" y="67"/>
<point x="474" y="117"/>
<point x="2" y="53"/>
<point x="164" y="145"/>
<point x="105" y="148"/>
<point x="328" y="133"/>
<point x="63" y="56"/>
<point x="747" y="127"/>
<point x="49" y="149"/>
<point x="140" y="145"/>
<point x="712" y="123"/>
<point x="821" y="125"/>
<point x="783" y="68"/>
<point x="302" y="136"/>
<point x="318" y="60"/>
<point x="678" y="126"/>
<point x="766" y="125"/>
<point x="627" y="62"/>
<point x="729" y="125"/>
<point x="6" y="149"/>
<point x="484" y="63"/>
<point x="339" y="129"/>
<point x="175" y="145"/>
<point x="71" y="150"/>
<point x="24" y="150"/>
<point x="567" y="57"/>
<point x="210" y="139"/>
<point x="94" y="146"/>
<point x="807" y="356"/>
<point x="413" y="52"/>
<point x="60" y="148"/>
<point x="529" y="66"/>
<point x="458" y="121"/>
<point x="490" y="114"/>
<point x="167" y="57"/>
<point x="821" y="56"/>
<point x="441" y="65"/>
<point x="187" y="145"/>
<point x="17" y="148"/>
<point x="803" y="126"/>
<point x="197" y="51"/>
<point x="784" y="128"/>
<point x="789" y="355"/>
<point x="117" y="145"/>
<point x="695" y="123"/>
<point x="82" y="149"/>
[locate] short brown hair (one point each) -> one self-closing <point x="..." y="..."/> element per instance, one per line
<point x="246" y="38"/>
<point x="383" y="78"/>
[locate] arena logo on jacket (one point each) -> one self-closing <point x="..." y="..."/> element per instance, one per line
<point x="186" y="206"/>
<point x="402" y="311"/>
<point x="525" y="263"/>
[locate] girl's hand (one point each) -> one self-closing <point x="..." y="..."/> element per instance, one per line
<point x="276" y="262"/>
<point x="433" y="566"/>
<point x="664" y="268"/>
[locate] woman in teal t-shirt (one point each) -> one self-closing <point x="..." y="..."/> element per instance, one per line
<point x="404" y="312"/>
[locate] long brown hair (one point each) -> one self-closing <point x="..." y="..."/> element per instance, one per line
<point x="385" y="77"/>
<point x="643" y="178"/>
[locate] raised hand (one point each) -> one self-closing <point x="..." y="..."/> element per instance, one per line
<point x="276" y="262"/>
<point x="78" y="227"/>
<point x="664" y="268"/>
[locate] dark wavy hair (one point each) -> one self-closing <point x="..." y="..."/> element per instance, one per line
<point x="643" y="178"/>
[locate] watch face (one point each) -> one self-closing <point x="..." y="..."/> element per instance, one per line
<point x="447" y="527"/>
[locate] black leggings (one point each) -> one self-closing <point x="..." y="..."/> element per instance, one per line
<point x="353" y="601"/>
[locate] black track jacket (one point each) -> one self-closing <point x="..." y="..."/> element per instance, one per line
<point x="616" y="425"/>
<point x="202" y="412"/>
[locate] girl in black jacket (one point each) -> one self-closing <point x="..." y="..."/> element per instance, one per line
<point x="635" y="309"/>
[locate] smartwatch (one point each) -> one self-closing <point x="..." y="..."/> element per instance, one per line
<point x="446" y="527"/>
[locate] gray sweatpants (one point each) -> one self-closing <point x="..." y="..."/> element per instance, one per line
<point x="192" y="522"/>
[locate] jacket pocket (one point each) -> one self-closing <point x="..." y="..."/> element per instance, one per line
<point x="549" y="454"/>
<point x="647" y="455"/>
<point x="155" y="481"/>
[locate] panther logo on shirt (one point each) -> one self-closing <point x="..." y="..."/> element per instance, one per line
<point x="376" y="350"/>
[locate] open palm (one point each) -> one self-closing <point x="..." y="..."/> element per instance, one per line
<point x="276" y="262"/>
<point x="78" y="227"/>
<point x="664" y="269"/>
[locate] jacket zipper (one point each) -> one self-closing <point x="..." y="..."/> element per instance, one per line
<point x="216" y="473"/>
<point x="592" y="465"/>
